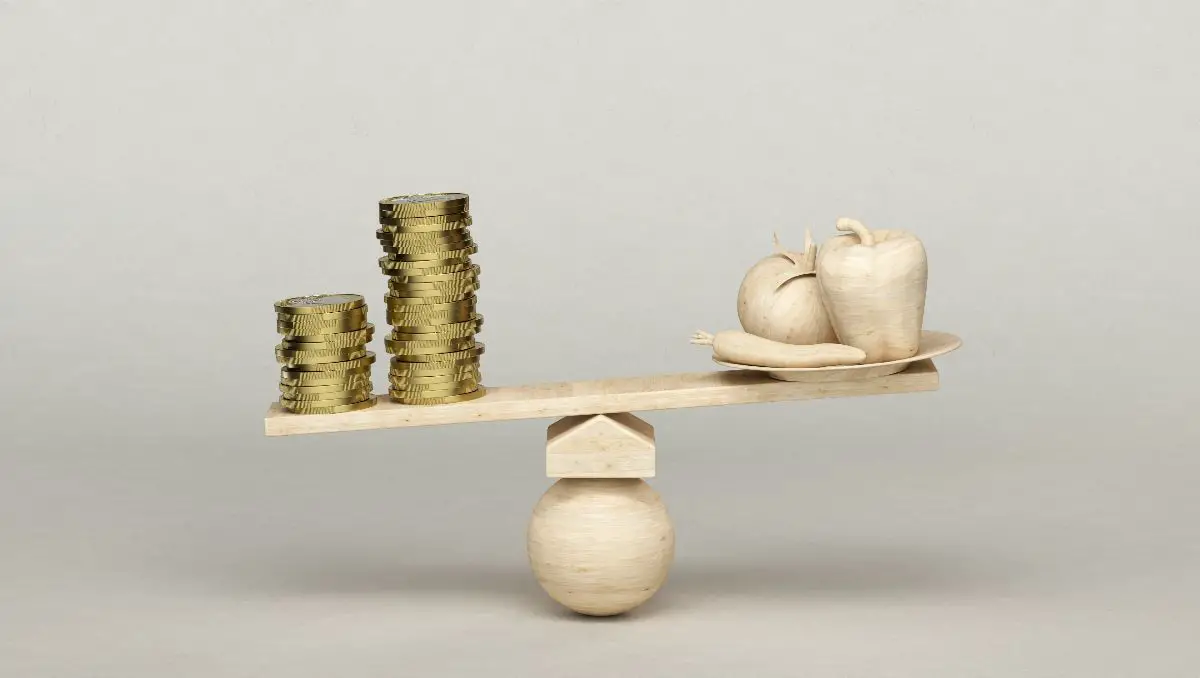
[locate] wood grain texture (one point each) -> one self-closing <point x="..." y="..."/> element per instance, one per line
<point x="616" y="445"/>
<point x="779" y="298"/>
<point x="634" y="394"/>
<point x="601" y="546"/>
<point x="873" y="283"/>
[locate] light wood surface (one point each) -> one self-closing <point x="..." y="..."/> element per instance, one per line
<point x="779" y="298"/>
<point x="873" y="283"/>
<point x="634" y="394"/>
<point x="601" y="546"/>
<point x="616" y="445"/>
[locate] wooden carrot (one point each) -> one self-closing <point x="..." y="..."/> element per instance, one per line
<point x="746" y="349"/>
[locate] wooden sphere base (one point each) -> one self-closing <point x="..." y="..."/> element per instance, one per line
<point x="601" y="546"/>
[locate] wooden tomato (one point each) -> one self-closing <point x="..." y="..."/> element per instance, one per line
<point x="780" y="299"/>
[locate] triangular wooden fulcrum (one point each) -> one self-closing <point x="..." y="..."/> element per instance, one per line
<point x="616" y="445"/>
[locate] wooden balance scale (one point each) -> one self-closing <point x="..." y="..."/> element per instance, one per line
<point x="600" y="540"/>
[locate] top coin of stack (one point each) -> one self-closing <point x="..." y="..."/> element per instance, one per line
<point x="326" y="365"/>
<point x="431" y="298"/>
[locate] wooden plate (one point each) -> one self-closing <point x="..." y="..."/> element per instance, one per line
<point x="933" y="344"/>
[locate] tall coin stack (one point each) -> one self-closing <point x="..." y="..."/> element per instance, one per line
<point x="431" y="298"/>
<point x="326" y="365"/>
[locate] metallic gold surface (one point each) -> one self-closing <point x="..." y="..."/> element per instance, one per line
<point x="431" y="314"/>
<point x="423" y="205"/>
<point x="309" y="342"/>
<point x="431" y="389"/>
<point x="400" y="304"/>
<point x="468" y="325"/>
<point x="407" y="320"/>
<point x="470" y="272"/>
<point x="431" y="238"/>
<point x="427" y="267"/>
<point x="344" y="366"/>
<point x="356" y="319"/>
<point x="325" y="402"/>
<point x="472" y="352"/>
<point x="459" y="220"/>
<point x="293" y="392"/>
<point x="432" y="367"/>
<point x="304" y="408"/>
<point x="405" y="400"/>
<point x="294" y="378"/>
<point x="439" y="256"/>
<point x="399" y="288"/>
<point x="412" y="370"/>
<point x="426" y="347"/>
<point x="406" y="251"/>
<point x="319" y="304"/>
<point x="432" y="296"/>
<point x="331" y="397"/>
<point x="312" y="357"/>
<point x="402" y="381"/>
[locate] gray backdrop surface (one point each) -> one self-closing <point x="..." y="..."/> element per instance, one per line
<point x="167" y="170"/>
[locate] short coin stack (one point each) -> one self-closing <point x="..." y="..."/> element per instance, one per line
<point x="326" y="365"/>
<point x="431" y="298"/>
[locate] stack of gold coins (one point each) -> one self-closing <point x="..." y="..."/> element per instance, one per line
<point x="431" y="298"/>
<point x="326" y="365"/>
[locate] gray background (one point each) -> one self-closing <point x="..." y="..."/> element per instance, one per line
<point x="167" y="170"/>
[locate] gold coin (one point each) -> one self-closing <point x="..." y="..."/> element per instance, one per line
<point x="295" y="378"/>
<point x="423" y="205"/>
<point x="451" y="286"/>
<point x="405" y="400"/>
<point x="329" y="341"/>
<point x="427" y="347"/>
<point x="350" y="396"/>
<point x="429" y="369"/>
<point x="305" y="408"/>
<point x="459" y="220"/>
<point x="407" y="251"/>
<point x="398" y="304"/>
<point x="326" y="402"/>
<point x="423" y="256"/>
<point x="322" y="320"/>
<point x="306" y="333"/>
<point x="423" y="238"/>
<point x="471" y="324"/>
<point x="467" y="333"/>
<point x="417" y="320"/>
<point x="411" y="231"/>
<point x="320" y="304"/>
<point x="433" y="296"/>
<point x="471" y="272"/>
<point x="449" y="343"/>
<point x="344" y="366"/>
<point x="406" y="315"/>
<point x="400" y="380"/>
<point x="474" y="351"/>
<point x="292" y="357"/>
<point x="426" y="267"/>
<point x="462" y="384"/>
<point x="292" y="392"/>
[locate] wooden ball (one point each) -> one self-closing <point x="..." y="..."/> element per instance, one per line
<point x="601" y="546"/>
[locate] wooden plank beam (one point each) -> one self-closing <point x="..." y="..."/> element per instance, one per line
<point x="633" y="394"/>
